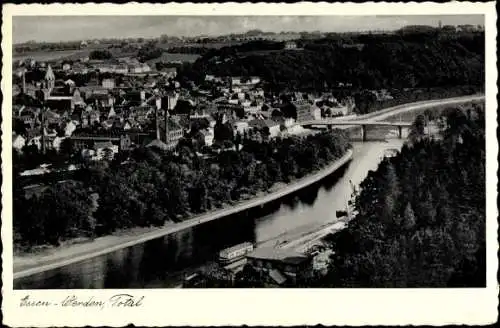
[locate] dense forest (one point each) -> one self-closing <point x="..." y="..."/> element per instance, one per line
<point x="421" y="214"/>
<point x="367" y="61"/>
<point x="151" y="187"/>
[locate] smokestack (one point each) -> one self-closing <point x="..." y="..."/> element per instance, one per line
<point x="157" y="108"/>
<point x="24" y="81"/>
<point x="43" y="129"/>
<point x="166" y="119"/>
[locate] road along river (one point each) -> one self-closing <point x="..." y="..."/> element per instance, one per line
<point x="163" y="261"/>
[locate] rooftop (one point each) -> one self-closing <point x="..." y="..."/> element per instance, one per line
<point x="103" y="144"/>
<point x="225" y="252"/>
<point x="262" y="123"/>
<point x="280" y="255"/>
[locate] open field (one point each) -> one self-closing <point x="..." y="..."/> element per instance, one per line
<point x="48" y="55"/>
<point x="169" y="57"/>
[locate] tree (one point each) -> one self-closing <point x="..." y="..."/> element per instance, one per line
<point x="100" y="54"/>
<point x="66" y="149"/>
<point x="432" y="236"/>
<point x="409" y="218"/>
<point x="148" y="52"/>
<point x="108" y="154"/>
<point x="183" y="107"/>
<point x="223" y="131"/>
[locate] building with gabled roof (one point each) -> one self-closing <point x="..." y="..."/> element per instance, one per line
<point x="280" y="266"/>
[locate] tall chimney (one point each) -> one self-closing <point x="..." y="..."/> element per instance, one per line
<point x="43" y="129"/>
<point x="24" y="81"/>
<point x="157" y="108"/>
<point x="166" y="119"/>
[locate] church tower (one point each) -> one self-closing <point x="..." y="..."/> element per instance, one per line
<point x="50" y="78"/>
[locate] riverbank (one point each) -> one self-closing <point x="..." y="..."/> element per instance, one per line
<point x="61" y="256"/>
<point x="425" y="104"/>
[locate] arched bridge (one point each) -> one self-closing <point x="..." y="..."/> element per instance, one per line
<point x="363" y="123"/>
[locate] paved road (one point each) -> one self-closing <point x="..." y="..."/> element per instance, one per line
<point x="388" y="112"/>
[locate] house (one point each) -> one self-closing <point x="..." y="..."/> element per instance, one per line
<point x="286" y="122"/>
<point x="170" y="72"/>
<point x="56" y="143"/>
<point x="65" y="103"/>
<point x="265" y="124"/>
<point x="101" y="100"/>
<point x="277" y="266"/>
<point x="90" y="116"/>
<point x="257" y="93"/>
<point x="111" y="113"/>
<point x="104" y="150"/>
<point x="68" y="128"/>
<point x="290" y="45"/>
<point x="101" y="66"/>
<point x="50" y="140"/>
<point x="175" y="133"/>
<point x="157" y="144"/>
<point x="139" y="68"/>
<point x="28" y="116"/>
<point x="316" y="112"/>
<point x="18" y="142"/>
<point x="146" y="68"/>
<point x="107" y="124"/>
<point x="81" y="140"/>
<point x="16" y="90"/>
<point x="212" y="78"/>
<point x="78" y="68"/>
<point x="240" y="127"/>
<point x="208" y="136"/>
<point x="70" y="83"/>
<point x="254" y="80"/>
<point x="108" y="83"/>
<point x="303" y="109"/>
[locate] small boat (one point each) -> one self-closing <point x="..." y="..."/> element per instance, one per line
<point x="235" y="253"/>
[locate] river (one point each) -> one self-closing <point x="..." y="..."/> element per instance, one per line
<point x="162" y="262"/>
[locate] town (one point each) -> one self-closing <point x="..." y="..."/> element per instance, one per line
<point x="124" y="104"/>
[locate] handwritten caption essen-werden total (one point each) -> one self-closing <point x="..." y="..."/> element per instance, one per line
<point x="73" y="301"/>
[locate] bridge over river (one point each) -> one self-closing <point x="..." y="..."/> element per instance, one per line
<point x="364" y="123"/>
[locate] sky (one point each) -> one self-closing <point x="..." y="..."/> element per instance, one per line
<point x="68" y="28"/>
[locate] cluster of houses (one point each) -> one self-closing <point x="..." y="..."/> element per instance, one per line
<point x="123" y="65"/>
<point x="109" y="115"/>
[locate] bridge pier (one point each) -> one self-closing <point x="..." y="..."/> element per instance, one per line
<point x="330" y="127"/>
<point x="400" y="132"/>
<point x="363" y="132"/>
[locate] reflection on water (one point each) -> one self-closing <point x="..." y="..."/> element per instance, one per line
<point x="162" y="262"/>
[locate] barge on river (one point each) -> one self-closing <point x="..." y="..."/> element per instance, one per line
<point x="235" y="253"/>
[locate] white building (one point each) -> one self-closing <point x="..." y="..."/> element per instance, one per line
<point x="69" y="128"/>
<point x="290" y="45"/>
<point x="108" y="83"/>
<point x="208" y="135"/>
<point x="18" y="142"/>
<point x="104" y="150"/>
<point x="240" y="127"/>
